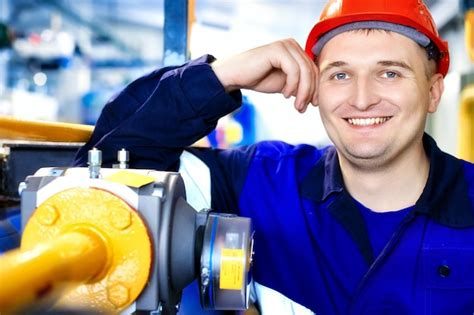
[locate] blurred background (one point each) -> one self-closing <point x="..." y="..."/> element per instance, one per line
<point x="61" y="60"/>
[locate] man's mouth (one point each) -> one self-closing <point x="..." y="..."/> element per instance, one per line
<point x="367" y="121"/>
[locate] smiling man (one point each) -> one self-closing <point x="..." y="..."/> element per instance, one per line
<point x="374" y="102"/>
<point x="382" y="222"/>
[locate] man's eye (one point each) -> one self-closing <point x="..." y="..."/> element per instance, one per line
<point x="390" y="75"/>
<point x="340" y="76"/>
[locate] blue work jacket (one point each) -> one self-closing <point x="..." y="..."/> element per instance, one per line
<point x="311" y="242"/>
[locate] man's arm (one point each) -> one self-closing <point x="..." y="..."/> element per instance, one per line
<point x="159" y="114"/>
<point x="171" y="108"/>
<point x="280" y="67"/>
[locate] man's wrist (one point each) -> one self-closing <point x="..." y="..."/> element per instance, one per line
<point x="221" y="74"/>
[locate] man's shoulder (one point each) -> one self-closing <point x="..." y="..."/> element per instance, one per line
<point x="468" y="165"/>
<point x="469" y="173"/>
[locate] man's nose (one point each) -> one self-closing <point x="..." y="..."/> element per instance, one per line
<point x="363" y="94"/>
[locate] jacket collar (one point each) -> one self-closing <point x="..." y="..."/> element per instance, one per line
<point x="444" y="198"/>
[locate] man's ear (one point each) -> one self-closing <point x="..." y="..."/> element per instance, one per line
<point x="436" y="91"/>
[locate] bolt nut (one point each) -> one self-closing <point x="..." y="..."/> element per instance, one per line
<point x="48" y="215"/>
<point x="118" y="294"/>
<point x="120" y="219"/>
<point x="122" y="155"/>
<point x="94" y="157"/>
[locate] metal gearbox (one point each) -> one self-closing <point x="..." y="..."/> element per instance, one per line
<point x="155" y="243"/>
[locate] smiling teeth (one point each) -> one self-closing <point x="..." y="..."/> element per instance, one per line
<point x="367" y="121"/>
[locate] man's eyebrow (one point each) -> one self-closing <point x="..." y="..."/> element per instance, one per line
<point x="385" y="63"/>
<point x="334" y="64"/>
<point x="393" y="63"/>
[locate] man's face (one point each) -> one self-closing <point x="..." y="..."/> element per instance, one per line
<point x="374" y="96"/>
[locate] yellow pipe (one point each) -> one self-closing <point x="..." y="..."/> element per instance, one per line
<point x="469" y="33"/>
<point x="19" y="129"/>
<point x="191" y="20"/>
<point x="27" y="276"/>
<point x="466" y="124"/>
<point x="34" y="130"/>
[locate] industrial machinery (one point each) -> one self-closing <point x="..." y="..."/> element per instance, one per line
<point x="121" y="240"/>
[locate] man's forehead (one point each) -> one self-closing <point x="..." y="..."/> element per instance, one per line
<point x="369" y="47"/>
<point x="368" y="41"/>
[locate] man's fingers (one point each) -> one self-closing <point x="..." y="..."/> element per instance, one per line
<point x="283" y="59"/>
<point x="281" y="67"/>
<point x="307" y="81"/>
<point x="312" y="91"/>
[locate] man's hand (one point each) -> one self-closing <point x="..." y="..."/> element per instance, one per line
<point x="279" y="67"/>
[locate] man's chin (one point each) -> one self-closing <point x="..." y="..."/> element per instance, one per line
<point x="365" y="157"/>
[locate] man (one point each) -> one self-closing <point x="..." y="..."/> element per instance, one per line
<point x="380" y="223"/>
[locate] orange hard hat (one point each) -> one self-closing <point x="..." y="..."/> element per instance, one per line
<point x="408" y="13"/>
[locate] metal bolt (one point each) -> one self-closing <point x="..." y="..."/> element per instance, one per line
<point x="21" y="186"/>
<point x="158" y="310"/>
<point x="205" y="276"/>
<point x="94" y="158"/>
<point x="48" y="215"/>
<point x="118" y="294"/>
<point x="123" y="158"/>
<point x="120" y="219"/>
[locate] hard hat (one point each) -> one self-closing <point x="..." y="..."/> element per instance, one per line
<point x="411" y="14"/>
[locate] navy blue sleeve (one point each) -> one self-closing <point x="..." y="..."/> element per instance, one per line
<point x="159" y="114"/>
<point x="162" y="113"/>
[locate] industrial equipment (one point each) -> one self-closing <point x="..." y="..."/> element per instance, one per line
<point x="121" y="240"/>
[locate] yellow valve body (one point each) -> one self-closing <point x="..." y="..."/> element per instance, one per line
<point x="94" y="240"/>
